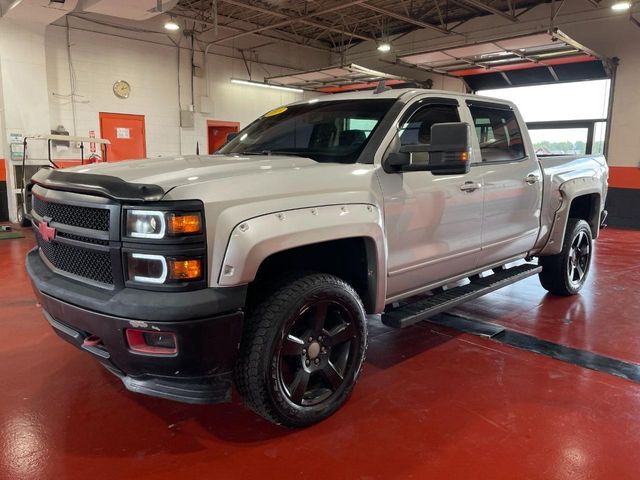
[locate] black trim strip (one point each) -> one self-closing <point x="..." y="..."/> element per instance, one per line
<point x="480" y="103"/>
<point x="574" y="356"/>
<point x="103" y="185"/>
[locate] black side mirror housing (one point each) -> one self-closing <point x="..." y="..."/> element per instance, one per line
<point x="231" y="136"/>
<point x="448" y="152"/>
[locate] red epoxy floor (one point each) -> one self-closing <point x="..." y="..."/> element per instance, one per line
<point x="431" y="403"/>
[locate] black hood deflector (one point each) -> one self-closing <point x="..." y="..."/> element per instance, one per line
<point x="102" y="185"/>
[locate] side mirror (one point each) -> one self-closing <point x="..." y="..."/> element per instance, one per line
<point x="231" y="136"/>
<point x="448" y="152"/>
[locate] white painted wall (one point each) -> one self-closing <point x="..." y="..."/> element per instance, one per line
<point x="152" y="70"/>
<point x="24" y="105"/>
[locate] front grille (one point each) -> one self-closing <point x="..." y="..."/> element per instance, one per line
<point x="80" y="238"/>
<point x="83" y="262"/>
<point x="84" y="217"/>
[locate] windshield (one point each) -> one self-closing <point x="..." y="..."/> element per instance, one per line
<point x="334" y="131"/>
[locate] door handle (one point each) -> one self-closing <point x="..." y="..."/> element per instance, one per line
<point x="531" y="179"/>
<point x="470" y="186"/>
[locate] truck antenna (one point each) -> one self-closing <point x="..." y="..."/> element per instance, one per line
<point x="381" y="87"/>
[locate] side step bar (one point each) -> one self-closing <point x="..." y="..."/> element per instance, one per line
<point x="411" y="313"/>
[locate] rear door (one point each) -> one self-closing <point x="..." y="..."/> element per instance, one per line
<point x="432" y="222"/>
<point x="511" y="180"/>
<point x="127" y="135"/>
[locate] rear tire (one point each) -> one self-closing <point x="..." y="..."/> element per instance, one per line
<point x="21" y="217"/>
<point x="302" y="350"/>
<point x="564" y="274"/>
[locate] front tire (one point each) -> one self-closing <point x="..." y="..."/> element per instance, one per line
<point x="564" y="274"/>
<point x="302" y="350"/>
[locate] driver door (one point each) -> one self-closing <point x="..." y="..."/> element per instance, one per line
<point x="433" y="222"/>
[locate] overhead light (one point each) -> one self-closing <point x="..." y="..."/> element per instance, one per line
<point x="384" y="47"/>
<point x="621" y="6"/>
<point x="265" y="85"/>
<point x="172" y="25"/>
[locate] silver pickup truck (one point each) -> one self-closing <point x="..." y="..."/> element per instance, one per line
<point x="260" y="264"/>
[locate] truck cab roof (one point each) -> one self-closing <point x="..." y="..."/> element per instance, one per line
<point x="400" y="93"/>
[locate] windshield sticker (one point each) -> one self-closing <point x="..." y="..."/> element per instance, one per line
<point x="275" y="111"/>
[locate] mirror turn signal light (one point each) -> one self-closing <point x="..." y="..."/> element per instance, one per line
<point x="185" y="269"/>
<point x="184" y="223"/>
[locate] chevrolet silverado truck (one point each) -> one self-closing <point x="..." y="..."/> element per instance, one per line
<point x="260" y="264"/>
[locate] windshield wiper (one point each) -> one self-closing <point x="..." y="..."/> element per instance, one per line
<point x="259" y="152"/>
<point x="270" y="152"/>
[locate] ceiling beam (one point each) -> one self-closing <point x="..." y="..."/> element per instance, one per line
<point x="404" y="18"/>
<point x="275" y="13"/>
<point x="487" y="8"/>
<point x="291" y="20"/>
<point x="261" y="35"/>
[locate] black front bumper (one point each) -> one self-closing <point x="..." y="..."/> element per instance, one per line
<point x="207" y="324"/>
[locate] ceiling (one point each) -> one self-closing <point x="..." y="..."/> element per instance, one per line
<point x="530" y="59"/>
<point x="338" y="24"/>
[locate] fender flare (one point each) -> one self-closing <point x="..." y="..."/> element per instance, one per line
<point x="254" y="240"/>
<point x="570" y="190"/>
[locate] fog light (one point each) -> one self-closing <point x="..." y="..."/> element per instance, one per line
<point x="151" y="342"/>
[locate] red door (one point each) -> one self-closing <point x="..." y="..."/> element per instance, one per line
<point x="127" y="136"/>
<point x="217" y="133"/>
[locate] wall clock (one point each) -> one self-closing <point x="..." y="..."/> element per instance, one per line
<point x="122" y="89"/>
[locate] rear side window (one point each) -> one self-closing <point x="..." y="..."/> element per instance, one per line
<point x="498" y="133"/>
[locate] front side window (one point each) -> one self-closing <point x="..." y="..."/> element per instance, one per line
<point x="498" y="134"/>
<point x="331" y="131"/>
<point x="417" y="129"/>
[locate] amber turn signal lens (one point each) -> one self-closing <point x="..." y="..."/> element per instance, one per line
<point x="185" y="269"/>
<point x="184" y="223"/>
<point x="464" y="156"/>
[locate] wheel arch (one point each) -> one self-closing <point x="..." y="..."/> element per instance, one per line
<point x="581" y="199"/>
<point x="344" y="240"/>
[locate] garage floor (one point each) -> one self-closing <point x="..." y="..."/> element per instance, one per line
<point x="432" y="402"/>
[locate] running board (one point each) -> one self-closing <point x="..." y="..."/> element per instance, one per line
<point x="411" y="313"/>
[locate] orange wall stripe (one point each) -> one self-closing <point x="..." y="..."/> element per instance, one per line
<point x="624" y="177"/>
<point x="3" y="171"/>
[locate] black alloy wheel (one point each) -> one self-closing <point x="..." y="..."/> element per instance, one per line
<point x="579" y="258"/>
<point x="317" y="352"/>
<point x="564" y="274"/>
<point x="302" y="350"/>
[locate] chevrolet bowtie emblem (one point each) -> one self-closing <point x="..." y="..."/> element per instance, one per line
<point x="46" y="232"/>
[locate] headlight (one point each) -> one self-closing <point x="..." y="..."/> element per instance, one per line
<point x="155" y="224"/>
<point x="159" y="269"/>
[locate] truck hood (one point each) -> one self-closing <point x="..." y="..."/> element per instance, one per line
<point x="171" y="172"/>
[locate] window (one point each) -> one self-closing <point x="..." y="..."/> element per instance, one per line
<point x="498" y="133"/>
<point x="325" y="131"/>
<point x="365" y="125"/>
<point x="417" y="130"/>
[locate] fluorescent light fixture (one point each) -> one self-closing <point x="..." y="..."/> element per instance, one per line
<point x="384" y="47"/>
<point x="621" y="6"/>
<point x="265" y="85"/>
<point x="172" y="25"/>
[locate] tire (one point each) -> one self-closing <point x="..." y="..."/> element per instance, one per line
<point x="22" y="219"/>
<point x="302" y="350"/>
<point x="564" y="274"/>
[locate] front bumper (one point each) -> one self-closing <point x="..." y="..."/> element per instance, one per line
<point x="207" y="324"/>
